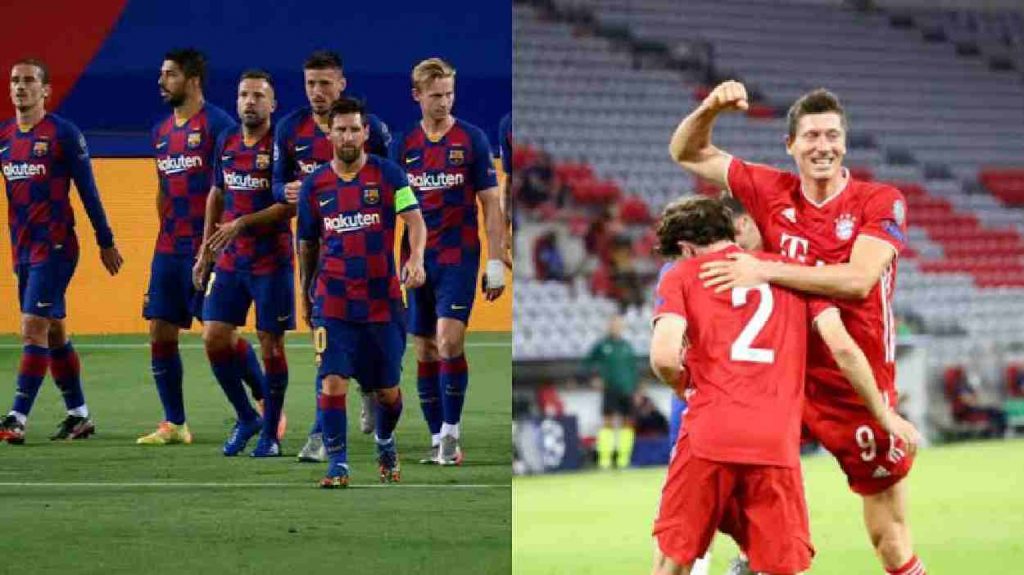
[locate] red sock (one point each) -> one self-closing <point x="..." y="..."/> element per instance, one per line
<point x="912" y="567"/>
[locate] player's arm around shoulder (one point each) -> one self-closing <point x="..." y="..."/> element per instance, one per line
<point x="691" y="146"/>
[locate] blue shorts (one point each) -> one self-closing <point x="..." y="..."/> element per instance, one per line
<point x="448" y="292"/>
<point x="228" y="295"/>
<point x="171" y="296"/>
<point x="369" y="352"/>
<point x="41" y="287"/>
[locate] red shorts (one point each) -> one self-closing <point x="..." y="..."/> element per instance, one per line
<point x="760" y="506"/>
<point x="872" y="460"/>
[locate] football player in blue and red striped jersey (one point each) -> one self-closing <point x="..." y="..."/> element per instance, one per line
<point x="300" y="147"/>
<point x="41" y="154"/>
<point x="247" y="234"/>
<point x="449" y="165"/>
<point x="183" y="148"/>
<point x="348" y="210"/>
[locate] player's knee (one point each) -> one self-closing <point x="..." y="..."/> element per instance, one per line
<point x="335" y="385"/>
<point x="426" y="349"/>
<point x="216" y="338"/>
<point x="162" y="332"/>
<point x="57" y="335"/>
<point x="891" y="541"/>
<point x="271" y="344"/>
<point x="449" y="345"/>
<point x="388" y="396"/>
<point x="35" y="330"/>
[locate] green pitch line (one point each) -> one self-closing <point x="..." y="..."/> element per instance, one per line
<point x="106" y="505"/>
<point x="966" y="514"/>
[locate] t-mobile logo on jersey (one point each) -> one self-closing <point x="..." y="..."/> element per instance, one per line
<point x="23" y="171"/>
<point x="794" y="247"/>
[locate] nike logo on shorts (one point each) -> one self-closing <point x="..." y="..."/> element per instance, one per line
<point x="284" y="317"/>
<point x="458" y="307"/>
<point x="42" y="304"/>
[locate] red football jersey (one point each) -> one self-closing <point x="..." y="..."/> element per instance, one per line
<point x="746" y="359"/>
<point x="824" y="233"/>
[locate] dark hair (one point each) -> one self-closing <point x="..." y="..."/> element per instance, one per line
<point x="345" y="105"/>
<point x="734" y="205"/>
<point x="257" y="74"/>
<point x="696" y="219"/>
<point x="191" y="61"/>
<point x="43" y="68"/>
<point x="817" y="101"/>
<point x="323" y="60"/>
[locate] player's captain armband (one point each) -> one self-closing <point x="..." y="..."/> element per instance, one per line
<point x="495" y="277"/>
<point x="405" y="199"/>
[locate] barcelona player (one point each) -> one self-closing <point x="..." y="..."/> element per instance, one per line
<point x="247" y="233"/>
<point x="183" y="147"/>
<point x="449" y="165"/>
<point x="347" y="212"/>
<point x="301" y="146"/>
<point x="41" y="154"/>
<point x="849" y="235"/>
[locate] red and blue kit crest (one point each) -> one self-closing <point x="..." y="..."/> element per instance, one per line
<point x="371" y="196"/>
<point x="456" y="156"/>
<point x="262" y="161"/>
<point x="41" y="148"/>
<point x="195" y="139"/>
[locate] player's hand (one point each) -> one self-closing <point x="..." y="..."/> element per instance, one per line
<point x="902" y="429"/>
<point x="494" y="280"/>
<point x="728" y="96"/>
<point x="291" y="191"/>
<point x="413" y="274"/>
<point x="201" y="270"/>
<point x="224" y="234"/>
<point x="740" y="270"/>
<point x="111" y="259"/>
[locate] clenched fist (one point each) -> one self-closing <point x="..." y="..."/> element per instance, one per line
<point x="727" y="97"/>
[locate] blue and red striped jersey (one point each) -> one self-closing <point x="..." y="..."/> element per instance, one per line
<point x="300" y="146"/>
<point x="39" y="166"/>
<point x="184" y="164"/>
<point x="243" y="173"/>
<point x="446" y="176"/>
<point x="354" y="223"/>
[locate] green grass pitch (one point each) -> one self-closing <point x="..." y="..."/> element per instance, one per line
<point x="240" y="515"/>
<point x="966" y="514"/>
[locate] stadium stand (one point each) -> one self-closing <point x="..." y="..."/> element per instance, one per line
<point x="942" y="123"/>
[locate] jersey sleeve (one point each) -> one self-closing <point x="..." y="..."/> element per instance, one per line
<point x="77" y="155"/>
<point x="754" y="185"/>
<point x="308" y="213"/>
<point x="885" y="217"/>
<point x="405" y="199"/>
<point x="218" y="161"/>
<point x="669" y="296"/>
<point x="482" y="170"/>
<point x="505" y="143"/>
<point x="379" y="142"/>
<point x="284" y="161"/>
<point x="817" y="305"/>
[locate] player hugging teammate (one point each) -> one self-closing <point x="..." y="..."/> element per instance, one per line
<point x="841" y="239"/>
